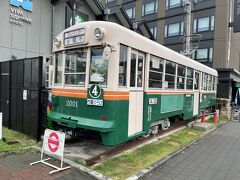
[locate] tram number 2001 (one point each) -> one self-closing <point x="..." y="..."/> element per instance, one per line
<point x="70" y="103"/>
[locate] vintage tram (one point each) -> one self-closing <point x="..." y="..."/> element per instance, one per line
<point x="113" y="81"/>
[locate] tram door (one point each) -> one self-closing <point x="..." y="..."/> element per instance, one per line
<point x="196" y="93"/>
<point x="135" y="117"/>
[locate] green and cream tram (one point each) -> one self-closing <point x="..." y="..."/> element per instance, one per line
<point x="114" y="81"/>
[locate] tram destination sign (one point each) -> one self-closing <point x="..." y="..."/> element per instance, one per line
<point x="74" y="37"/>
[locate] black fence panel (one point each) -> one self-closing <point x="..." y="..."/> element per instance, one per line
<point x="24" y="82"/>
<point x="4" y="92"/>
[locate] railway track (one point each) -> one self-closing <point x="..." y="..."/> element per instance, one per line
<point x="129" y="145"/>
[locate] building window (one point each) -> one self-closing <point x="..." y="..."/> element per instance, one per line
<point x="203" y="55"/>
<point x="71" y="20"/>
<point x="175" y="29"/>
<point x="154" y="32"/>
<point x="203" y="24"/>
<point x="131" y="12"/>
<point x="156" y="72"/>
<point x="150" y="8"/>
<point x="173" y="3"/>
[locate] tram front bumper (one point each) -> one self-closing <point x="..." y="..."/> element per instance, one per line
<point x="77" y="122"/>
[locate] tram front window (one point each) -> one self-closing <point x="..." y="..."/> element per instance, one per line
<point x="75" y="67"/>
<point x="98" y="67"/>
<point x="58" y="68"/>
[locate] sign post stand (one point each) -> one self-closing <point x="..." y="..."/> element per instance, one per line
<point x="53" y="145"/>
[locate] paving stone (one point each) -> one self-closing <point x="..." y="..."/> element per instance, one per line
<point x="215" y="157"/>
<point x="16" y="167"/>
<point x="203" y="126"/>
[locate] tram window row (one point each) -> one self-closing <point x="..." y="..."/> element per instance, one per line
<point x="165" y="74"/>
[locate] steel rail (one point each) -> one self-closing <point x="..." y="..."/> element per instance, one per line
<point x="129" y="145"/>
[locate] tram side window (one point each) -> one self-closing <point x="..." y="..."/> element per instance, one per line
<point x="209" y="82"/>
<point x="181" y="77"/>
<point x="155" y="72"/>
<point x="170" y="75"/>
<point x="133" y="70"/>
<point x="75" y="67"/>
<point x="98" y="67"/>
<point x="58" y="68"/>
<point x="122" y="81"/>
<point x="189" y="78"/>
<point x="205" y="81"/>
<point x="196" y="81"/>
<point x="214" y="83"/>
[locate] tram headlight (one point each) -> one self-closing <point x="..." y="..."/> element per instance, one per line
<point x="99" y="33"/>
<point x="56" y="42"/>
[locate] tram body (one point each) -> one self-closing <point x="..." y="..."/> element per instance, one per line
<point x="114" y="81"/>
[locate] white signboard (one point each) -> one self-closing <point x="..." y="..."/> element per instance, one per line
<point x="97" y="77"/>
<point x="152" y="100"/>
<point x="25" y="95"/>
<point x="53" y="144"/>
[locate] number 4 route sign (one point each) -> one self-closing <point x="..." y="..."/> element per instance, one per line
<point x="95" y="95"/>
<point x="53" y="145"/>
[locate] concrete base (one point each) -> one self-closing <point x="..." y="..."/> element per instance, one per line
<point x="224" y="106"/>
<point x="203" y="126"/>
<point x="82" y="150"/>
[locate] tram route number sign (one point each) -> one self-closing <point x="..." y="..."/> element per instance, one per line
<point x="95" y="95"/>
<point x="53" y="143"/>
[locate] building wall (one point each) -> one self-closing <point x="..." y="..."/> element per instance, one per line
<point x="235" y="49"/>
<point x="221" y="34"/>
<point x="216" y="39"/>
<point x="28" y="40"/>
<point x="59" y="19"/>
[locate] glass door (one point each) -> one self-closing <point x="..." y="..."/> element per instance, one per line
<point x="135" y="120"/>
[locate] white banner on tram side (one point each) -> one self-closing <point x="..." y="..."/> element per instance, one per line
<point x="53" y="145"/>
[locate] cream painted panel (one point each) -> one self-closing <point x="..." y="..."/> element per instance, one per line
<point x="139" y="112"/>
<point x="196" y="103"/>
<point x="132" y="113"/>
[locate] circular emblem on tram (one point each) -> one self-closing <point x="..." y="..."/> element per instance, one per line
<point x="95" y="91"/>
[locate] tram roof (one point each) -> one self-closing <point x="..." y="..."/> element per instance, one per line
<point x="115" y="32"/>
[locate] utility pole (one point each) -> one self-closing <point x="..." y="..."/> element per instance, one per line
<point x="187" y="24"/>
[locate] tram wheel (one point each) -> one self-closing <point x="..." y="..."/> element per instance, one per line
<point x="165" y="124"/>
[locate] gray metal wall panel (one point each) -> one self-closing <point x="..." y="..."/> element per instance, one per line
<point x="5" y="29"/>
<point x="59" y="18"/>
<point x="30" y="39"/>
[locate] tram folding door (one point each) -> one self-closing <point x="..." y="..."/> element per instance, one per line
<point x="135" y="117"/>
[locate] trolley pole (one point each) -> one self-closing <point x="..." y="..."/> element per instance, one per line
<point x="188" y="20"/>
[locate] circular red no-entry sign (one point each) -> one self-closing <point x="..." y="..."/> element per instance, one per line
<point x="53" y="142"/>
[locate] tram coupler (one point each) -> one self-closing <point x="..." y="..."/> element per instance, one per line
<point x="216" y="116"/>
<point x="203" y="117"/>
